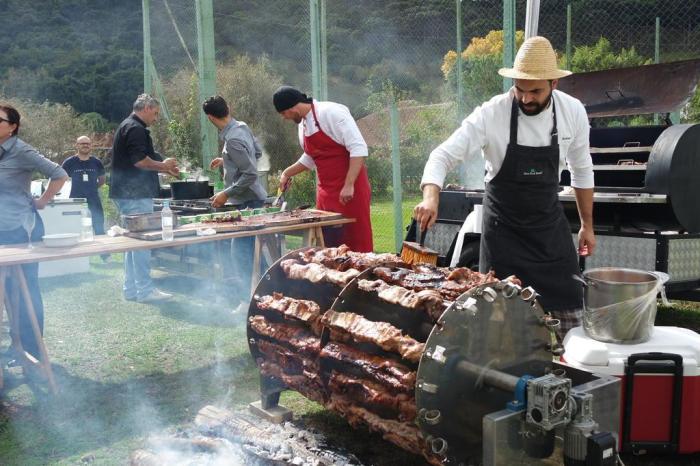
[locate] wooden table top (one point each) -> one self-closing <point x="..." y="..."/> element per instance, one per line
<point x="19" y="254"/>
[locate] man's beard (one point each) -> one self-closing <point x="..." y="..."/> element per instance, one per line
<point x="533" y="108"/>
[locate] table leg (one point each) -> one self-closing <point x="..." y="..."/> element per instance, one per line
<point x="2" y="306"/>
<point x="43" y="354"/>
<point x="319" y="237"/>
<point x="257" y="253"/>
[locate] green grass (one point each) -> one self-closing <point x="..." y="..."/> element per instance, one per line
<point x="127" y="370"/>
<point x="382" y="213"/>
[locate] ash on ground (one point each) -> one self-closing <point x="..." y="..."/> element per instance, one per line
<point x="226" y="438"/>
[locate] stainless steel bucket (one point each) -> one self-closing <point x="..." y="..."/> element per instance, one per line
<point x="620" y="304"/>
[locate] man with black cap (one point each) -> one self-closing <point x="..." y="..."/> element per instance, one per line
<point x="333" y="146"/>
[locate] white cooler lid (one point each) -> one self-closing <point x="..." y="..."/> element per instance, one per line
<point x="591" y="355"/>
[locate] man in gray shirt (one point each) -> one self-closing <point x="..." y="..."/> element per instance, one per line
<point x="239" y="158"/>
<point x="243" y="189"/>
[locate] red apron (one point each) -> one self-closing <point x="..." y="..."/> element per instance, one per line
<point x="332" y="162"/>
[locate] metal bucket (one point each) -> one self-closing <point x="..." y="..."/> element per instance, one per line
<point x="619" y="305"/>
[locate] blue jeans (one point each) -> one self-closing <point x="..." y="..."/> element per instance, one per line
<point x="240" y="264"/>
<point x="137" y="264"/>
<point x="31" y="274"/>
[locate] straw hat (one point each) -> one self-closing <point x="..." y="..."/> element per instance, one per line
<point x="535" y="60"/>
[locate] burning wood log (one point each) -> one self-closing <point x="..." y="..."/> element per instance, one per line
<point x="275" y="444"/>
<point x="382" y="334"/>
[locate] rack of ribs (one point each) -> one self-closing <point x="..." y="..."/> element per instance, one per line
<point x="316" y="273"/>
<point x="430" y="301"/>
<point x="293" y="362"/>
<point x="294" y="336"/>
<point x="308" y="383"/>
<point x="300" y="309"/>
<point x="382" y="334"/>
<point x="375" y="397"/>
<point x="387" y="372"/>
<point x="342" y="259"/>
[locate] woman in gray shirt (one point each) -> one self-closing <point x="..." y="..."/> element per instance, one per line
<point x="18" y="160"/>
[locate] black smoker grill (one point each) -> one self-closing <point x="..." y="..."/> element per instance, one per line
<point x="647" y="195"/>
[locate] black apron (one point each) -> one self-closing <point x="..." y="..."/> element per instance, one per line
<point x="525" y="232"/>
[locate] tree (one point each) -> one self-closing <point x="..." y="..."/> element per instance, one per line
<point x="481" y="60"/>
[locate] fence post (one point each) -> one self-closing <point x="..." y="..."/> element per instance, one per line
<point x="207" y="76"/>
<point x="657" y="48"/>
<point x="508" y="39"/>
<point x="460" y="84"/>
<point x="324" y="51"/>
<point x="147" y="79"/>
<point x="396" y="172"/>
<point x="568" y="36"/>
<point x="315" y="49"/>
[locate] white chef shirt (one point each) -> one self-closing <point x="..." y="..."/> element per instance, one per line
<point x="338" y="124"/>
<point x="486" y="132"/>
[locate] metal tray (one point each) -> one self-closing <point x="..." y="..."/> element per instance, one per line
<point x="143" y="222"/>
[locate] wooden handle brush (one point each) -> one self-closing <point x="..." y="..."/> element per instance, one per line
<point x="417" y="253"/>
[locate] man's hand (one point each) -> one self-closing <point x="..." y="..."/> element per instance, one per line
<point x="285" y="181"/>
<point x="346" y="194"/>
<point x="216" y="163"/>
<point x="40" y="203"/>
<point x="219" y="199"/>
<point x="425" y="213"/>
<point x="586" y="241"/>
<point x="171" y="167"/>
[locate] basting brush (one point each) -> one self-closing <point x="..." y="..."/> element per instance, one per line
<point x="417" y="253"/>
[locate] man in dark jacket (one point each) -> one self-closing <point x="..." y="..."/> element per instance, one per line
<point x="135" y="166"/>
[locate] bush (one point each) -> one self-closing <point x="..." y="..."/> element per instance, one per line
<point x="601" y="56"/>
<point x="50" y="128"/>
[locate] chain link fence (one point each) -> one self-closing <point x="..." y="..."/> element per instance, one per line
<point x="384" y="55"/>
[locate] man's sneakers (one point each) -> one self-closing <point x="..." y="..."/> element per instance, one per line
<point x="154" y="296"/>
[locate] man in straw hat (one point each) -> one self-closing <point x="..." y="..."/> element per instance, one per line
<point x="527" y="136"/>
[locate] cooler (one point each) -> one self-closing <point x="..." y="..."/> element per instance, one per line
<point x="660" y="399"/>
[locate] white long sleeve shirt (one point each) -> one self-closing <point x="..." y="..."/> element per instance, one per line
<point x="337" y="122"/>
<point x="486" y="133"/>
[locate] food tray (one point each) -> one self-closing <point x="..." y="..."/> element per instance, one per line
<point x="143" y="222"/>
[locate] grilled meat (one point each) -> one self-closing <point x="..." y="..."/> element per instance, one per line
<point x="429" y="301"/>
<point x="385" y="371"/>
<point x="382" y="334"/>
<point x="308" y="383"/>
<point x="373" y="396"/>
<point x="301" y="309"/>
<point x="293" y="336"/>
<point x="316" y="273"/>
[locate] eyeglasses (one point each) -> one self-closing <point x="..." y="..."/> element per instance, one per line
<point x="5" y="120"/>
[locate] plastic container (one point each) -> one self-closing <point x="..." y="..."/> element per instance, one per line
<point x="86" y="231"/>
<point x="647" y="390"/>
<point x="60" y="240"/>
<point x="166" y="216"/>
